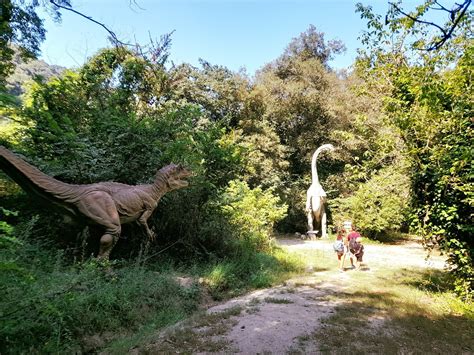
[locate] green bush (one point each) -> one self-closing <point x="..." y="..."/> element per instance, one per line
<point x="7" y="238"/>
<point x="100" y="124"/>
<point x="252" y="213"/>
<point x="428" y="98"/>
<point x="377" y="206"/>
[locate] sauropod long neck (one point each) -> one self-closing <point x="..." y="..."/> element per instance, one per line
<point x="314" y="170"/>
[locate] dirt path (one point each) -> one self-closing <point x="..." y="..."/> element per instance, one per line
<point x="276" y="319"/>
<point x="281" y="319"/>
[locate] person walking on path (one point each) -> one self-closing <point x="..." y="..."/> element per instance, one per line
<point x="356" y="249"/>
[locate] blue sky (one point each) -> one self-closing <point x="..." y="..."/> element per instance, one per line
<point x="233" y="33"/>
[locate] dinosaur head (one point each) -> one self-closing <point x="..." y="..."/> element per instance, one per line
<point x="175" y="176"/>
<point x="322" y="148"/>
<point x="329" y="147"/>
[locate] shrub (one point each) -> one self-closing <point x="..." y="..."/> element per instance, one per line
<point x="252" y="213"/>
<point x="377" y="206"/>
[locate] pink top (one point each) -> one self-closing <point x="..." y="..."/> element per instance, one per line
<point x="353" y="235"/>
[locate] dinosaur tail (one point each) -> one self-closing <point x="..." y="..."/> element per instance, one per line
<point x="33" y="180"/>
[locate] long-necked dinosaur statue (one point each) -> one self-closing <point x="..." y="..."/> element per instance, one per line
<point x="316" y="197"/>
<point x="107" y="204"/>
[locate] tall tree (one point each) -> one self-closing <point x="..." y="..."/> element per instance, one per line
<point x="428" y="97"/>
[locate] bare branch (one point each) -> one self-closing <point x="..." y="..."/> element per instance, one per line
<point x="135" y="3"/>
<point x="456" y="14"/>
<point x="441" y="7"/>
<point x="111" y="33"/>
<point x="415" y="19"/>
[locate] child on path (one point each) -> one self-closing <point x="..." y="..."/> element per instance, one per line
<point x="339" y="248"/>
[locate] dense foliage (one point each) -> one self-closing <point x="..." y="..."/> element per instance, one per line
<point x="428" y="98"/>
<point x="123" y="114"/>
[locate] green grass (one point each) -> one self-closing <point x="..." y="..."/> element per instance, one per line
<point x="386" y="310"/>
<point x="398" y="311"/>
<point x="56" y="308"/>
<point x="232" y="277"/>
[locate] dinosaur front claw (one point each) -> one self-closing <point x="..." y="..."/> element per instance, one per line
<point x="151" y="236"/>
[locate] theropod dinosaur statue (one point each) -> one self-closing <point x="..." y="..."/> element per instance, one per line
<point x="107" y="204"/>
<point x="316" y="197"/>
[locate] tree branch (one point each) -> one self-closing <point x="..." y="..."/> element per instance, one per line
<point x="415" y="19"/>
<point x="460" y="11"/>
<point x="111" y="33"/>
<point x="441" y="7"/>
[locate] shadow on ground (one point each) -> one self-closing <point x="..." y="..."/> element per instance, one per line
<point x="382" y="322"/>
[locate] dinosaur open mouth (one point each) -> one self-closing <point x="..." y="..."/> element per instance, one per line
<point x="181" y="175"/>
<point x="185" y="174"/>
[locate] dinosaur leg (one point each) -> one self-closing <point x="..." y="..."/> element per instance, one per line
<point x="143" y="222"/>
<point x="107" y="242"/>
<point x="323" y="223"/>
<point x="99" y="207"/>
<point x="310" y="220"/>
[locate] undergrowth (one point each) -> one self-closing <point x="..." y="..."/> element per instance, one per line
<point x="52" y="305"/>
<point x="234" y="276"/>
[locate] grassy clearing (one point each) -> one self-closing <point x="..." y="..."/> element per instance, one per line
<point x="383" y="310"/>
<point x="223" y="280"/>
<point x="315" y="260"/>
<point x="53" y="306"/>
<point x="397" y="310"/>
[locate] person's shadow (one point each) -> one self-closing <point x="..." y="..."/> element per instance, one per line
<point x="362" y="268"/>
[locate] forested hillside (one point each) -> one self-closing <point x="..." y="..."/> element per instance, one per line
<point x="26" y="71"/>
<point x="400" y="120"/>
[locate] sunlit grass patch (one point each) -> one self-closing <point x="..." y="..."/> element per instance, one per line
<point x="313" y="260"/>
<point x="389" y="311"/>
<point x="234" y="276"/>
